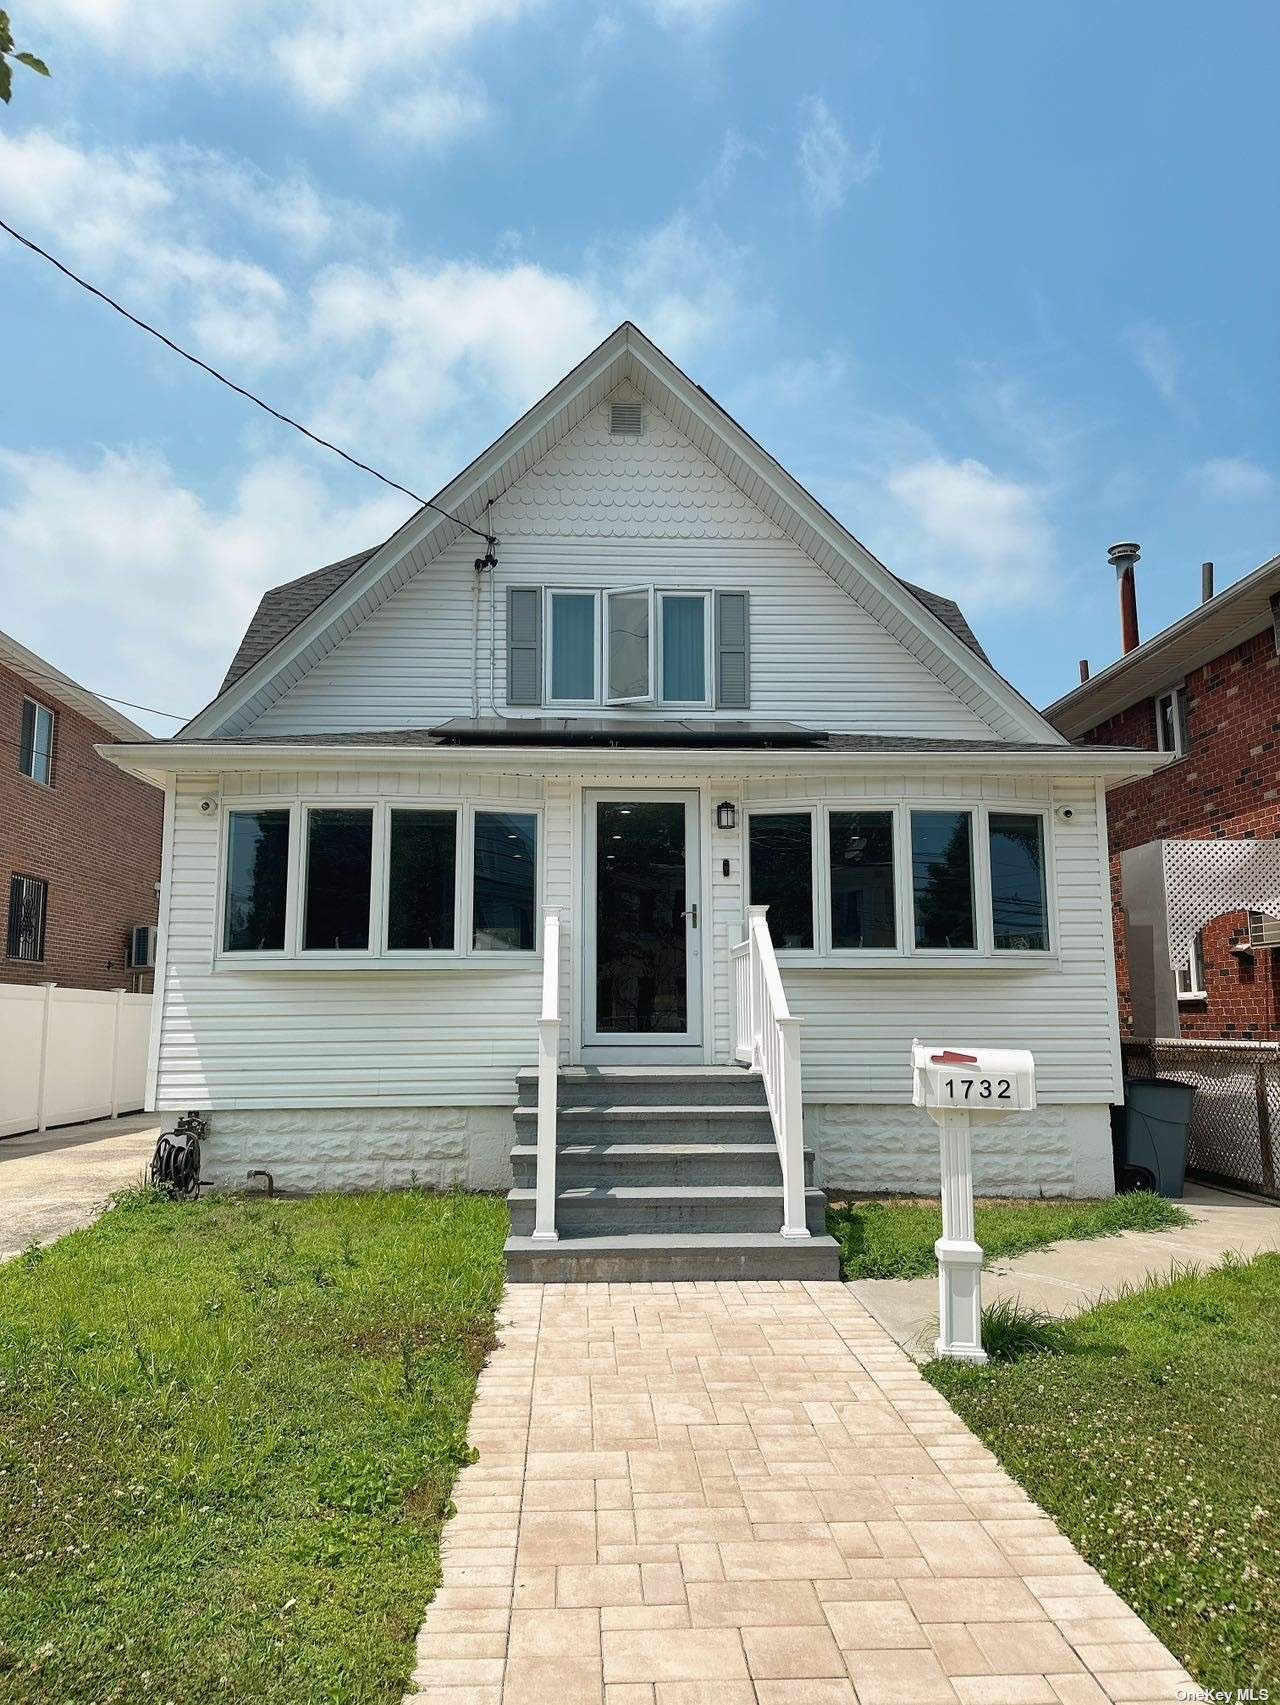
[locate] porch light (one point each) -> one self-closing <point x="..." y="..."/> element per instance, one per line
<point x="726" y="815"/>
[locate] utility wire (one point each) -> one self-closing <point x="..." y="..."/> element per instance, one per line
<point x="240" y="391"/>
<point x="111" y="698"/>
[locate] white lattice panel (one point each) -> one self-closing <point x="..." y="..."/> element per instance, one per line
<point x="1204" y="879"/>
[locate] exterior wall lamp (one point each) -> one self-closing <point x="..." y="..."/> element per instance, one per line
<point x="726" y="815"/>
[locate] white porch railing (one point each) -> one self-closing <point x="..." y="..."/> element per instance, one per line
<point x="544" y="1205"/>
<point x="768" y="1038"/>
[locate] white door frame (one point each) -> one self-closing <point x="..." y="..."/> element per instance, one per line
<point x="689" y="1049"/>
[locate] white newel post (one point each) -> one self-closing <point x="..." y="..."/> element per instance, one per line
<point x="957" y="1086"/>
<point x="793" y="1204"/>
<point x="544" y="1204"/>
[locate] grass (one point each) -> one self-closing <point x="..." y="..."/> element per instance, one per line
<point x="894" y="1238"/>
<point x="1010" y="1331"/>
<point x="228" y="1435"/>
<point x="1151" y="1433"/>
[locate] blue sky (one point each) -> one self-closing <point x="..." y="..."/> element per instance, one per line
<point x="996" y="281"/>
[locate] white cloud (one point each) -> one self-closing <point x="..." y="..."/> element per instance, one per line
<point x="983" y="537"/>
<point x="331" y="56"/>
<point x="829" y="164"/>
<point x="436" y="114"/>
<point x="1155" y="354"/>
<point x="1234" y="479"/>
<point x="121" y="533"/>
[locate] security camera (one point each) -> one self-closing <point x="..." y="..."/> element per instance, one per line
<point x="1064" y="814"/>
<point x="208" y="807"/>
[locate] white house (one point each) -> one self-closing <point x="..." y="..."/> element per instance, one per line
<point x="451" y="816"/>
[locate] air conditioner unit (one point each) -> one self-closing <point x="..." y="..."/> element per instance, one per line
<point x="1263" y="931"/>
<point x="142" y="946"/>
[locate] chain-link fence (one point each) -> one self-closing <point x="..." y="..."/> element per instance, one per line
<point x="1237" y="1106"/>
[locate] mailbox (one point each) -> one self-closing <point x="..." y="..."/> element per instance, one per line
<point x="972" y="1080"/>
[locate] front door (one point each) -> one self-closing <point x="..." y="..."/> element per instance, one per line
<point x="642" y="971"/>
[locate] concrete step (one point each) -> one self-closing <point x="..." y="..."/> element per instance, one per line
<point x="654" y="1163"/>
<point x="632" y="1086"/>
<point x="712" y="1209"/>
<point x="659" y="1123"/>
<point x="670" y="1258"/>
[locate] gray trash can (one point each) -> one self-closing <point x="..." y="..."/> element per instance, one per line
<point x="1155" y="1133"/>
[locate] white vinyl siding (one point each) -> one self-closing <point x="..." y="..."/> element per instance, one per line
<point x="456" y="1031"/>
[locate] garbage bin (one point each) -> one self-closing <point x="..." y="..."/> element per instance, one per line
<point x="1154" y="1134"/>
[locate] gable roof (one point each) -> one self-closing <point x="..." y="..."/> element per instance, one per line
<point x="1212" y="628"/>
<point x="47" y="682"/>
<point x="928" y="626"/>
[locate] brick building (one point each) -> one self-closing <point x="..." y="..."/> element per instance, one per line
<point x="79" y="841"/>
<point x="1206" y="690"/>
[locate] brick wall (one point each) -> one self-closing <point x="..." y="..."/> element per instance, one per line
<point x="93" y="836"/>
<point x="1227" y="786"/>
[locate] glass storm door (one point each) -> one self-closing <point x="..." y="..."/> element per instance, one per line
<point x="643" y="935"/>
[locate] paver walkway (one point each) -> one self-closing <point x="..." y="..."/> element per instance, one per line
<point x="53" y="1182"/>
<point x="1074" y="1275"/>
<point x="746" y="1494"/>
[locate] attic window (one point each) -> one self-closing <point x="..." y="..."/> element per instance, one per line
<point x="625" y="420"/>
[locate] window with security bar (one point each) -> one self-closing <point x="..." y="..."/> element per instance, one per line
<point x="28" y="905"/>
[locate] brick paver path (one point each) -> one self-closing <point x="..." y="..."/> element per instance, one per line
<point x="745" y="1494"/>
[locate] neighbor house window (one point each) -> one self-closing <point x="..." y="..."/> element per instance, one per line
<point x="1019" y="900"/>
<point x="28" y="904"/>
<point x="1171" y="722"/>
<point x="572" y="625"/>
<point x="942" y="879"/>
<point x="504" y="882"/>
<point x="780" y="845"/>
<point x="339" y="871"/>
<point x="684" y="647"/>
<point x="422" y="881"/>
<point x="862" y="891"/>
<point x="1190" y="976"/>
<point x="35" y="748"/>
<point x="257" y="879"/>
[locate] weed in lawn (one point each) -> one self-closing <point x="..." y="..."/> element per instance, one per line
<point x="1011" y="1331"/>
<point x="1151" y="1436"/>
<point x="894" y="1238"/>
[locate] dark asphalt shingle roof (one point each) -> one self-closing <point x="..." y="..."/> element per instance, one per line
<point x="829" y="742"/>
<point x="283" y="607"/>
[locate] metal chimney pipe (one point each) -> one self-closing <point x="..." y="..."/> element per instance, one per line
<point x="1206" y="582"/>
<point x="1124" y="556"/>
<point x="1084" y="670"/>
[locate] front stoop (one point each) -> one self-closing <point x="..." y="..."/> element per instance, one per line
<point x="662" y="1173"/>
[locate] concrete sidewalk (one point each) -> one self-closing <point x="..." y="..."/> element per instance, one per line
<point x="52" y="1182"/>
<point x="745" y="1494"/>
<point x="1067" y="1278"/>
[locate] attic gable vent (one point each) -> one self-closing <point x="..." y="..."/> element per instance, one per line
<point x="625" y="420"/>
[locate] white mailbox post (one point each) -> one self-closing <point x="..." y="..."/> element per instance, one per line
<point x="958" y="1085"/>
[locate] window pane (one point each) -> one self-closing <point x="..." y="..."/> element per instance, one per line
<point x="28" y="900"/>
<point x="1166" y="724"/>
<point x="257" y="874"/>
<point x="942" y="878"/>
<point x="781" y="844"/>
<point x="44" y="744"/>
<point x="339" y="864"/>
<point x="506" y="874"/>
<point x="628" y="643"/>
<point x="1019" y="907"/>
<point x="684" y="649"/>
<point x="862" y="906"/>
<point x="420" y="891"/>
<point x="573" y="646"/>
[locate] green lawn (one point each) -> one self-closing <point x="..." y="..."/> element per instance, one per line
<point x="1152" y="1436"/>
<point x="228" y="1435"/>
<point x="894" y="1239"/>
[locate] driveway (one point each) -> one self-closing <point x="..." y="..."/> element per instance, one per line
<point x="55" y="1181"/>
<point x="746" y="1494"/>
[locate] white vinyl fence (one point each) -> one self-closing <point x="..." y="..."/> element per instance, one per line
<point x="70" y="1054"/>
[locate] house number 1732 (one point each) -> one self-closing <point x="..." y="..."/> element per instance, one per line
<point x="979" y="1089"/>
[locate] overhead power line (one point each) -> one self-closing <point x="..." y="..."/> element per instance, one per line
<point x="111" y="698"/>
<point x="231" y="385"/>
